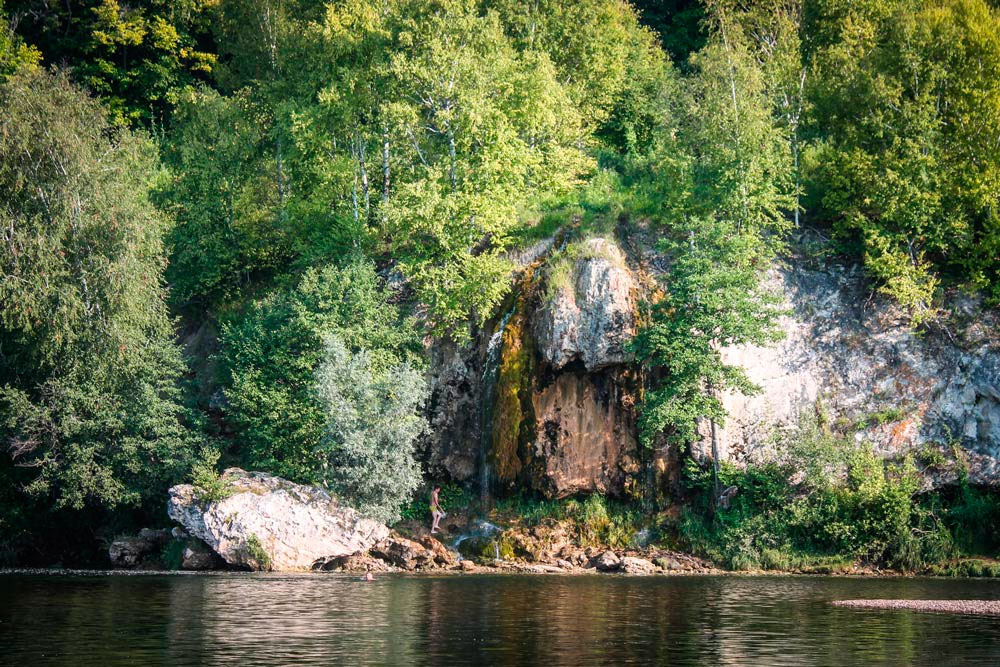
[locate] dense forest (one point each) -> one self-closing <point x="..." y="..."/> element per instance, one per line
<point x="229" y="227"/>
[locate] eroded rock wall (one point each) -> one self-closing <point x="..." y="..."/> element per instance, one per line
<point x="556" y="414"/>
<point x="563" y="416"/>
<point x="850" y="359"/>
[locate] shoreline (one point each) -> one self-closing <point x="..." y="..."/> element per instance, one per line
<point x="504" y="570"/>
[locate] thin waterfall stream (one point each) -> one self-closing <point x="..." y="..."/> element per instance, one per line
<point x="491" y="367"/>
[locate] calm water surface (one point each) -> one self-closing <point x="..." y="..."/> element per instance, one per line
<point x="484" y="620"/>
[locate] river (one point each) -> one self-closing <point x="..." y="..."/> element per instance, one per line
<point x="229" y="619"/>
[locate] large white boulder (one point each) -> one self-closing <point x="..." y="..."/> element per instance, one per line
<point x="266" y="522"/>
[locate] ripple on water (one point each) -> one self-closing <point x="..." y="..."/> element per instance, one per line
<point x="457" y="620"/>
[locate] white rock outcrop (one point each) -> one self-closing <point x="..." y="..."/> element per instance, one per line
<point x="296" y="526"/>
<point x="851" y="358"/>
<point x="594" y="318"/>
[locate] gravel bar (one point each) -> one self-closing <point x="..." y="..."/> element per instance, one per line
<point x="979" y="607"/>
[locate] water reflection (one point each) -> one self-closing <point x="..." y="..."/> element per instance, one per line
<point x="502" y="620"/>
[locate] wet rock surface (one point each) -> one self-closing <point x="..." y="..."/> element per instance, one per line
<point x="294" y="525"/>
<point x="564" y="417"/>
<point x="542" y="396"/>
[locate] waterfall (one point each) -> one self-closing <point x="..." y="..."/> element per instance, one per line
<point x="491" y="368"/>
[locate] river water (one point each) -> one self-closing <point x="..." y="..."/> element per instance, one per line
<point x="241" y="619"/>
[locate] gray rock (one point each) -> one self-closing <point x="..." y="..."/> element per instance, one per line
<point x="594" y="318"/>
<point x="198" y="556"/>
<point x="403" y="553"/>
<point x="668" y="563"/>
<point x="606" y="561"/>
<point x="294" y="525"/>
<point x="634" y="565"/>
<point x="131" y="551"/>
<point x="852" y="356"/>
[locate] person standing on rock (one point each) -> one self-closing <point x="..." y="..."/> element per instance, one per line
<point x="436" y="513"/>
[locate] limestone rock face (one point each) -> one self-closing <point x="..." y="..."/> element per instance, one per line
<point x="592" y="318"/>
<point x="852" y="359"/>
<point x="541" y="396"/>
<point x="296" y="526"/>
<point x="584" y="436"/>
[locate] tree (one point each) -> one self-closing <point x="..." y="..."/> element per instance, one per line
<point x="14" y="53"/>
<point x="136" y="55"/>
<point x="372" y="422"/>
<point x="90" y="407"/>
<point x="222" y="195"/>
<point x="907" y="106"/>
<point x="722" y="187"/>
<point x="270" y="352"/>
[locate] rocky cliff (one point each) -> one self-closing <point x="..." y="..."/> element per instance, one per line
<point x="850" y="359"/>
<point x="544" y="395"/>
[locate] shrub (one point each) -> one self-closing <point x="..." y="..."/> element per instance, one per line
<point x="366" y="451"/>
<point x="850" y="504"/>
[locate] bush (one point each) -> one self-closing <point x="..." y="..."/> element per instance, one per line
<point x="366" y="451"/>
<point x="850" y="505"/>
<point x="271" y="351"/>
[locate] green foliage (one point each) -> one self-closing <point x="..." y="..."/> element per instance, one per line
<point x="452" y="497"/>
<point x="221" y="191"/>
<point x="204" y="475"/>
<point x="718" y="184"/>
<point x="270" y="352"/>
<point x="137" y="55"/>
<point x="903" y="91"/>
<point x="14" y="53"/>
<point x="90" y="378"/>
<point x="599" y="520"/>
<point x="257" y="556"/>
<point x="848" y="506"/>
<point x="966" y="567"/>
<point x="173" y="554"/>
<point x="372" y="422"/>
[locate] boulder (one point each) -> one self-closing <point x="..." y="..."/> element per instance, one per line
<point x="635" y="565"/>
<point x="606" y="561"/>
<point x="441" y="554"/>
<point x="361" y="562"/>
<point x="267" y="522"/>
<point x="132" y="551"/>
<point x="198" y="556"/>
<point x="403" y="553"/>
<point x="668" y="563"/>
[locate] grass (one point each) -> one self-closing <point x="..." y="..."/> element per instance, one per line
<point x="592" y="209"/>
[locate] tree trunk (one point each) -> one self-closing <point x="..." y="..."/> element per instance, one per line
<point x="385" y="164"/>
